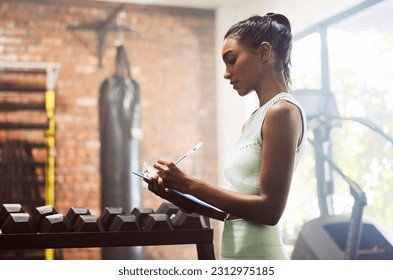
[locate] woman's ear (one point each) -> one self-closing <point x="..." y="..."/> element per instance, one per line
<point x="266" y="51"/>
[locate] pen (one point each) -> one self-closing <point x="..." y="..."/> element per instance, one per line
<point x="191" y="151"/>
<point x="150" y="170"/>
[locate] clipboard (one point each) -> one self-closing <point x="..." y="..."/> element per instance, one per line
<point x="193" y="204"/>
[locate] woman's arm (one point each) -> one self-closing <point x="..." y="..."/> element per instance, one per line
<point x="281" y="132"/>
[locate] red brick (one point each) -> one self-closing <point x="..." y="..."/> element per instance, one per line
<point x="171" y="51"/>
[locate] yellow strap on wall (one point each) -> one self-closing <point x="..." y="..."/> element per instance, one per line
<point x="50" y="165"/>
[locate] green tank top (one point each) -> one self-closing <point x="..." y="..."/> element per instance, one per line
<point x="242" y="239"/>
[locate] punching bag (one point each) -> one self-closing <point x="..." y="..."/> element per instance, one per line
<point x="119" y="116"/>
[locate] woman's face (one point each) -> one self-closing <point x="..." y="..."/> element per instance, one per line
<point x="243" y="66"/>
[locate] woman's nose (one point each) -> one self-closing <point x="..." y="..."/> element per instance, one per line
<point x="227" y="74"/>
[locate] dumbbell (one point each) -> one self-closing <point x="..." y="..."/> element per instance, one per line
<point x="157" y="222"/>
<point x="109" y="214"/>
<point x="83" y="221"/>
<point x="14" y="220"/>
<point x="74" y="212"/>
<point x="55" y="223"/>
<point x="88" y="223"/>
<point x="168" y="208"/>
<point x="183" y="220"/>
<point x="48" y="220"/>
<point x="124" y="222"/>
<point x="38" y="214"/>
<point x="7" y="208"/>
<point x="141" y="214"/>
<point x="114" y="219"/>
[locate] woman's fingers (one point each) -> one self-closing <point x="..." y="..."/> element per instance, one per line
<point x="160" y="187"/>
<point x="163" y="168"/>
<point x="161" y="164"/>
<point x="156" y="185"/>
<point x="167" y="172"/>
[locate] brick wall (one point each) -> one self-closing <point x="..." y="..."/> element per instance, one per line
<point x="171" y="51"/>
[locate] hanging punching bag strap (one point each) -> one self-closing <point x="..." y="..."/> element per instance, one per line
<point x="122" y="63"/>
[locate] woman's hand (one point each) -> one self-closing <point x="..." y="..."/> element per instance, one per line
<point x="156" y="185"/>
<point x="172" y="176"/>
<point x="164" y="171"/>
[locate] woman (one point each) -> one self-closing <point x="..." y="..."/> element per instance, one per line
<point x="257" y="55"/>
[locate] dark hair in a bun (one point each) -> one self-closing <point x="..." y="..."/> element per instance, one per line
<point x="272" y="28"/>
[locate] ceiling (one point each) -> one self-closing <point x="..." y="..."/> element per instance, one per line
<point x="201" y="4"/>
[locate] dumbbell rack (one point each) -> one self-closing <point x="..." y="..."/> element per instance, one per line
<point x="162" y="231"/>
<point x="203" y="238"/>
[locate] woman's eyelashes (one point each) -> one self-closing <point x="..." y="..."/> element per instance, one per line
<point x="232" y="61"/>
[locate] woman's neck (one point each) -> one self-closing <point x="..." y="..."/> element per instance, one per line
<point x="270" y="87"/>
